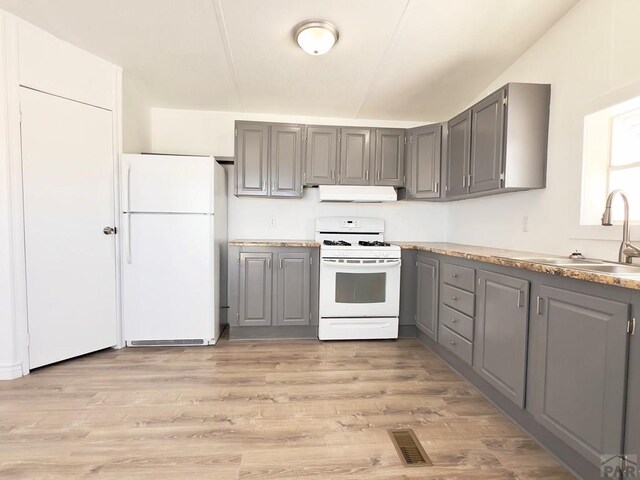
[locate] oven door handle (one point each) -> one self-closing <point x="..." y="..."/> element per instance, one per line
<point x="360" y="264"/>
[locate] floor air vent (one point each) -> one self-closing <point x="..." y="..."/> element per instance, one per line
<point x="166" y="343"/>
<point x="409" y="449"/>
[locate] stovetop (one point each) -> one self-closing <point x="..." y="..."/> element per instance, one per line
<point x="361" y="243"/>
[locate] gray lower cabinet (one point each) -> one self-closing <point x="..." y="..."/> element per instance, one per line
<point x="285" y="160"/>
<point x="272" y="291"/>
<point x="252" y="159"/>
<point x="255" y="292"/>
<point x="487" y="137"/>
<point x="269" y="160"/>
<point x="355" y="156"/>
<point x="502" y="332"/>
<point x="389" y="157"/>
<point x="424" y="157"/>
<point x="292" y="288"/>
<point x="458" y="155"/>
<point x="427" y="279"/>
<point x="321" y="156"/>
<point x="579" y="369"/>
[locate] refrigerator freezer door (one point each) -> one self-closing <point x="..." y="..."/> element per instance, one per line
<point x="169" y="281"/>
<point x="167" y="184"/>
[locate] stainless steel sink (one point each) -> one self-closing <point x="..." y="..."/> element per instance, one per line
<point x="612" y="268"/>
<point x="563" y="261"/>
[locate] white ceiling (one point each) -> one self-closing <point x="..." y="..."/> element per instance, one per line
<point x="396" y="59"/>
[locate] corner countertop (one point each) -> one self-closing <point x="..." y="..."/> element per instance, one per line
<point x="517" y="259"/>
<point x="274" y="243"/>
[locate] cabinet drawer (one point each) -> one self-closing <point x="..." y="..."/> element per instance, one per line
<point x="458" y="345"/>
<point x="458" y="299"/>
<point x="461" y="277"/>
<point x="457" y="322"/>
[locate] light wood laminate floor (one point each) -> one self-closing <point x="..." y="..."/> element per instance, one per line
<point x="258" y="410"/>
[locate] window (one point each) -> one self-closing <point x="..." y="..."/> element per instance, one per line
<point x="624" y="161"/>
<point x="610" y="161"/>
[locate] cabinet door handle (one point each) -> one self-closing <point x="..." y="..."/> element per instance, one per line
<point x="452" y="342"/>
<point x="366" y="175"/>
<point x="454" y="275"/>
<point x="454" y="298"/>
<point x="378" y="174"/>
<point x="538" y="305"/>
<point x="469" y="180"/>
<point x="264" y="185"/>
<point x="332" y="173"/>
<point x="519" y="298"/>
<point x="268" y="263"/>
<point x="437" y="188"/>
<point x="280" y="263"/>
<point x="453" y="320"/>
<point x="464" y="181"/>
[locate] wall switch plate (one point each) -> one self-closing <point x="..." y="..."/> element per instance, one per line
<point x="525" y="223"/>
<point x="272" y="222"/>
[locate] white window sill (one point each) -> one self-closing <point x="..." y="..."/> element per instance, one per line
<point x="599" y="232"/>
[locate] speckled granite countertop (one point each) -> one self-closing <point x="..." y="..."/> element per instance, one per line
<point x="517" y="259"/>
<point x="274" y="243"/>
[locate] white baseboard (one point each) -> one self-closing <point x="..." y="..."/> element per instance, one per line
<point x="9" y="372"/>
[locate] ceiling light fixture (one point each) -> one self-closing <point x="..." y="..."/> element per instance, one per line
<point x="316" y="37"/>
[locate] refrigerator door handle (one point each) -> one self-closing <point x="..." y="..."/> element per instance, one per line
<point x="128" y="239"/>
<point x="128" y="188"/>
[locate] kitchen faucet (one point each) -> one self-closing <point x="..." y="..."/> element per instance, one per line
<point x="627" y="249"/>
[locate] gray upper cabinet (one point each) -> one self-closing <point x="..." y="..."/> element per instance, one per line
<point x="252" y="163"/>
<point x="292" y="288"/>
<point x="286" y="160"/>
<point x="255" y="293"/>
<point x="487" y="137"/>
<point x="458" y="155"/>
<point x="355" y="156"/>
<point x="579" y="369"/>
<point x="423" y="164"/>
<point x="321" y="155"/>
<point x="427" y="295"/>
<point x="501" y="333"/>
<point x="269" y="159"/>
<point x="390" y="143"/>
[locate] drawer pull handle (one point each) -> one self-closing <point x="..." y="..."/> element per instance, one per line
<point x="453" y="320"/>
<point x="454" y="298"/>
<point x="454" y="275"/>
<point x="452" y="342"/>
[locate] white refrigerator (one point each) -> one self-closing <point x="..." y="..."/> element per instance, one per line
<point x="174" y="243"/>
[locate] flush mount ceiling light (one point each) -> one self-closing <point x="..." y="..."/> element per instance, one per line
<point x="316" y="37"/>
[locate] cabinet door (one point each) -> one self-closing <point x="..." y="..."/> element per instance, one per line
<point x="427" y="296"/>
<point x="292" y="288"/>
<point x="321" y="155"/>
<point x="255" y="289"/>
<point x="390" y="157"/>
<point x="487" y="137"/>
<point x="425" y="158"/>
<point x="579" y="369"/>
<point x="252" y="162"/>
<point x="355" y="156"/>
<point x="459" y="146"/>
<point x="501" y="333"/>
<point x="286" y="160"/>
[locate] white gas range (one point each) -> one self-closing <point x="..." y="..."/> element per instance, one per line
<point x="359" y="280"/>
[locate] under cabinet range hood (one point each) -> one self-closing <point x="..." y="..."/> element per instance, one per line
<point x="352" y="193"/>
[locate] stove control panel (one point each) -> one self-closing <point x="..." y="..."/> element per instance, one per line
<point x="350" y="223"/>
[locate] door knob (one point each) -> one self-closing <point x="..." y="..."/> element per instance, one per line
<point x="109" y="230"/>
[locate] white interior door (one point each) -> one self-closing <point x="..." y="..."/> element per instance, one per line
<point x="67" y="162"/>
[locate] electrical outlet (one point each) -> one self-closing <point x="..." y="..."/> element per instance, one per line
<point x="272" y="222"/>
<point x="525" y="223"/>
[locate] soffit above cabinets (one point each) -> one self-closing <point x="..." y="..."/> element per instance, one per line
<point x="396" y="59"/>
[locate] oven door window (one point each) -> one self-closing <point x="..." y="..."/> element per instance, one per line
<point x="361" y="287"/>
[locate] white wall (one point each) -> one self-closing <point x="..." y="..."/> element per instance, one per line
<point x="198" y="132"/>
<point x="8" y="350"/>
<point x="590" y="54"/>
<point x="136" y="115"/>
